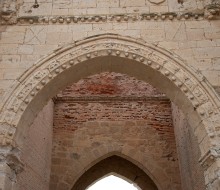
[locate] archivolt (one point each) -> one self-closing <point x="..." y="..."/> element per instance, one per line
<point x="188" y="89"/>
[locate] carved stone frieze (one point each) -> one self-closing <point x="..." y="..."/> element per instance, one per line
<point x="111" y="18"/>
<point x="9" y="10"/>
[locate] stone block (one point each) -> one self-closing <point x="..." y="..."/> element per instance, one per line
<point x="12" y="37"/>
<point x="95" y="11"/>
<point x="84" y="3"/>
<point x="108" y="3"/>
<point x="158" y="9"/>
<point x="175" y="31"/>
<point x="131" y="3"/>
<point x="25" y="49"/>
<point x="9" y="49"/>
<point x="35" y="35"/>
<point x="195" y="34"/>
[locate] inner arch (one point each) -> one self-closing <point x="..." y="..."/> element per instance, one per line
<point x="113" y="181"/>
<point x="118" y="165"/>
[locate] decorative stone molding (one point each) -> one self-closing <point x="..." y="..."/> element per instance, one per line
<point x="112" y="18"/>
<point x="8" y="16"/>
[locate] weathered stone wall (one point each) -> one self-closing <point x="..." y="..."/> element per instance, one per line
<point x="196" y="40"/>
<point x="83" y="7"/>
<point x="187" y="29"/>
<point x="192" y="174"/>
<point x="36" y="153"/>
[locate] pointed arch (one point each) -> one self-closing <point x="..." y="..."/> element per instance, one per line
<point x="119" y="166"/>
<point x="188" y="89"/>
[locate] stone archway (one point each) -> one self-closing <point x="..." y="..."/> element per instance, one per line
<point x="188" y="89"/>
<point x="117" y="165"/>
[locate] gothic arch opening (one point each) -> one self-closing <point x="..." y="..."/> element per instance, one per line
<point x="117" y="165"/>
<point x="186" y="88"/>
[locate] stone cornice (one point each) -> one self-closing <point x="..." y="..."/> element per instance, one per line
<point x="109" y="99"/>
<point x="211" y="12"/>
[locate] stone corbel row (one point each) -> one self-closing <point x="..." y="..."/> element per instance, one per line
<point x="115" y="18"/>
<point x="210" y="12"/>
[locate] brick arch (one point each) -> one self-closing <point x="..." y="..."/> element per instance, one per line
<point x="119" y="166"/>
<point x="188" y="89"/>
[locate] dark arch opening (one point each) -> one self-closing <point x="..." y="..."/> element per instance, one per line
<point x="120" y="166"/>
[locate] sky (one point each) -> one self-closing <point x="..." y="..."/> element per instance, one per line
<point x="112" y="183"/>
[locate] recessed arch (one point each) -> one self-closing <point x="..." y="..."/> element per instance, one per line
<point x="118" y="165"/>
<point x="188" y="89"/>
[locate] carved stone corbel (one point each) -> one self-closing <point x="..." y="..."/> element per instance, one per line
<point x="8" y="12"/>
<point x="212" y="11"/>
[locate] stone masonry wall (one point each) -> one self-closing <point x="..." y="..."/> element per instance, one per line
<point x="97" y="116"/>
<point x="83" y="7"/>
<point x="192" y="174"/>
<point x="183" y="27"/>
<point x="36" y="153"/>
<point x="118" y="127"/>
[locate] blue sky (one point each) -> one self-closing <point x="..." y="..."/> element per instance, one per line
<point x="112" y="183"/>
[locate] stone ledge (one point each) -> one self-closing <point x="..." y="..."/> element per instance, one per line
<point x="108" y="99"/>
<point x="210" y="12"/>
